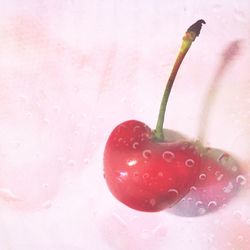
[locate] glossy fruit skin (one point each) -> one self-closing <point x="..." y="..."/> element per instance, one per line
<point x="219" y="181"/>
<point x="147" y="175"/>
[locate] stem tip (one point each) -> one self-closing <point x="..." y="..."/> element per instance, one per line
<point x="196" y="27"/>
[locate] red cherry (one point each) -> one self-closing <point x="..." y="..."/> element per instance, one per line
<point x="219" y="180"/>
<point x="145" y="174"/>
<point x="141" y="168"/>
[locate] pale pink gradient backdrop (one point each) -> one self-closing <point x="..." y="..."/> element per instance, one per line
<point x="70" y="72"/>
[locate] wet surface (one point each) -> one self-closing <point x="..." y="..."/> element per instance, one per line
<point x="70" y="72"/>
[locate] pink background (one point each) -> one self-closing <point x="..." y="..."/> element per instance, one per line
<point x="70" y="72"/>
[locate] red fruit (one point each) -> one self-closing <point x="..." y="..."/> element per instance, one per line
<point x="219" y="180"/>
<point x="146" y="174"/>
<point x="141" y="168"/>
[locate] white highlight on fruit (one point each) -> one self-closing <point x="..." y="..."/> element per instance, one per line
<point x="131" y="163"/>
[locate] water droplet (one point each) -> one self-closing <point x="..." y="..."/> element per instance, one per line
<point x="209" y="168"/>
<point x="240" y="237"/>
<point x="152" y="202"/>
<point x="241" y="180"/>
<point x="201" y="211"/>
<point x="136" y="128"/>
<point x="135" y="145"/>
<point x="145" y="234"/>
<point x="228" y="188"/>
<point x="216" y="7"/>
<point x="159" y="232"/>
<point x="223" y="158"/>
<point x="57" y="109"/>
<point x="71" y="163"/>
<point x="208" y="149"/>
<point x="136" y="176"/>
<point x="212" y="204"/>
<point x="218" y="175"/>
<point x="189" y="163"/>
<point x="202" y="177"/>
<point x="45" y="185"/>
<point x="219" y="178"/>
<point x="8" y="195"/>
<point x="85" y="161"/>
<point x="146" y="153"/>
<point x="185" y="146"/>
<point x="46" y="121"/>
<point x="47" y="204"/>
<point x="234" y="168"/>
<point x="238" y="214"/>
<point x="174" y="191"/>
<point x="120" y="219"/>
<point x="198" y="203"/>
<point x="160" y="174"/>
<point x="168" y="156"/>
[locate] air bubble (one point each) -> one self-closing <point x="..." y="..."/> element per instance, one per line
<point x="135" y="145"/>
<point x="146" y="153"/>
<point x="168" y="156"/>
<point x="202" y="177"/>
<point x="189" y="163"/>
<point x="241" y="180"/>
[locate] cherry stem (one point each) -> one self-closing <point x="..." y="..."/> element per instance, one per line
<point x="192" y="32"/>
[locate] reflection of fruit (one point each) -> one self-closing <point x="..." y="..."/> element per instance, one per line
<point x="141" y="168"/>
<point x="145" y="174"/>
<point x="218" y="182"/>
